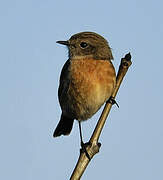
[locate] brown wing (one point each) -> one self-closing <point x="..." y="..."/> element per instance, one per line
<point x="64" y="83"/>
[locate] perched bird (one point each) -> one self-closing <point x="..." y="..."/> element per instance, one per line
<point x="87" y="79"/>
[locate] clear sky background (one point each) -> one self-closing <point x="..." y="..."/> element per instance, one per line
<point x="30" y="65"/>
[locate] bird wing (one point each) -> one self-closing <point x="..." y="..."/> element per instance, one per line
<point x="64" y="83"/>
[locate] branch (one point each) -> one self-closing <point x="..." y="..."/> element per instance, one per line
<point x="93" y="145"/>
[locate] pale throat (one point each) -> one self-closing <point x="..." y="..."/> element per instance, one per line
<point x="79" y="57"/>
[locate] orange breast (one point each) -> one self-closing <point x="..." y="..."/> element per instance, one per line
<point x="92" y="83"/>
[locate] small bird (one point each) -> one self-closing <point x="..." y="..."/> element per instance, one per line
<point x="87" y="80"/>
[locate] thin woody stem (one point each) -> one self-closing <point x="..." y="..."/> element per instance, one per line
<point x="125" y="63"/>
<point x="94" y="146"/>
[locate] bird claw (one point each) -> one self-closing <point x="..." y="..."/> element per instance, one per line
<point x="112" y="101"/>
<point x="84" y="149"/>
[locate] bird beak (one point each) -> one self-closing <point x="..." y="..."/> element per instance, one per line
<point x="64" y="42"/>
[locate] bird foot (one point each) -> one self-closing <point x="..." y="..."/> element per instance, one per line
<point x="84" y="148"/>
<point x="112" y="101"/>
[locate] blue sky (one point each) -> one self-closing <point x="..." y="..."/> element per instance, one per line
<point x="30" y="65"/>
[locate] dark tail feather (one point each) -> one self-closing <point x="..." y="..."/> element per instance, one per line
<point x="64" y="126"/>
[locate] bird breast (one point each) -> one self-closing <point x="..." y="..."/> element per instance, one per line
<point x="92" y="83"/>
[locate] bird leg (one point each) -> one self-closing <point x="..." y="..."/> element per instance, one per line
<point x="83" y="145"/>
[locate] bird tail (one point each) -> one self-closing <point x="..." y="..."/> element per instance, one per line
<point x="64" y="126"/>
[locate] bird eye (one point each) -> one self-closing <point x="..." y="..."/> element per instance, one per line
<point x="83" y="45"/>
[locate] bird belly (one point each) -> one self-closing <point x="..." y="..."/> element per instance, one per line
<point x="92" y="83"/>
